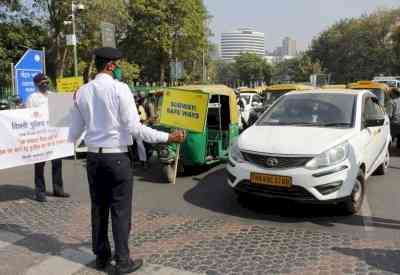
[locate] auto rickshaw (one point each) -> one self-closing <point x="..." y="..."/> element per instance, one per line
<point x="380" y="90"/>
<point x="258" y="90"/>
<point x="334" y="87"/>
<point x="210" y="146"/>
<point x="273" y="92"/>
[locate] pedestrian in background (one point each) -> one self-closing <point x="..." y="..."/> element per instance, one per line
<point x="106" y="109"/>
<point x="141" y="149"/>
<point x="36" y="100"/>
<point x="394" y="115"/>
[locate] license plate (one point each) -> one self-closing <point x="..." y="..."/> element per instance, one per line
<point x="272" y="180"/>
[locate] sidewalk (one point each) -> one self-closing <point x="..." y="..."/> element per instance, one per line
<point x="54" y="238"/>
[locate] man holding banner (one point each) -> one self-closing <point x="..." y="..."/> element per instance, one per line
<point x="36" y="100"/>
<point x="106" y="109"/>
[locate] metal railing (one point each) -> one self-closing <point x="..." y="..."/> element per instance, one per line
<point x="5" y="93"/>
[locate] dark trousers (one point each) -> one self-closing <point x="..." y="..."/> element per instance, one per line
<point x="111" y="185"/>
<point x="56" y="171"/>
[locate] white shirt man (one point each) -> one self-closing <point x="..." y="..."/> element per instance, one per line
<point x="106" y="110"/>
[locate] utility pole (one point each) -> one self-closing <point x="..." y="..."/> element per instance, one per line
<point x="204" y="67"/>
<point x="74" y="39"/>
<point x="12" y="79"/>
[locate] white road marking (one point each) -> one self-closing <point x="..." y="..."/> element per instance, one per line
<point x="69" y="262"/>
<point x="367" y="216"/>
<point x="8" y="238"/>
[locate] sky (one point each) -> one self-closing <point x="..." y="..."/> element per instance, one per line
<point x="301" y="20"/>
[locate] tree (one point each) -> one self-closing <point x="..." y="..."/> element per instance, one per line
<point x="162" y="31"/>
<point x="355" y="49"/>
<point x="297" y="69"/>
<point x="130" y="72"/>
<point x="17" y="34"/>
<point x="251" y="67"/>
<point x="54" y="13"/>
<point x="225" y="72"/>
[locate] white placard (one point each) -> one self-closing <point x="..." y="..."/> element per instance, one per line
<point x="27" y="138"/>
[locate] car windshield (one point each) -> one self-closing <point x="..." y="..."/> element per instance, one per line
<point x="271" y="97"/>
<point x="316" y="109"/>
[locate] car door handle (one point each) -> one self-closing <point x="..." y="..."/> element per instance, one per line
<point x="379" y="130"/>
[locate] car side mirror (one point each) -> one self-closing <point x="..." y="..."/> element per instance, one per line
<point x="374" y="122"/>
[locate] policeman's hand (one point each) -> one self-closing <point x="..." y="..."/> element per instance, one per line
<point x="176" y="137"/>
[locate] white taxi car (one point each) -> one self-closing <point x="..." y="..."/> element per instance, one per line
<point x="316" y="146"/>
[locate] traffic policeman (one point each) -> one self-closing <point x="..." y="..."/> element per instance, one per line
<point x="39" y="99"/>
<point x="106" y="109"/>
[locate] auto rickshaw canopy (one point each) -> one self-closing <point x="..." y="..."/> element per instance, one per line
<point x="334" y="87"/>
<point x="256" y="90"/>
<point x="368" y="85"/>
<point x="288" y="87"/>
<point x="217" y="90"/>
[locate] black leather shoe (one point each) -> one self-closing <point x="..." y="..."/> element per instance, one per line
<point x="62" y="195"/>
<point x="102" y="262"/>
<point x="41" y="198"/>
<point x="129" y="266"/>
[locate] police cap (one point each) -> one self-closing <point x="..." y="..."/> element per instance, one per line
<point x="108" y="53"/>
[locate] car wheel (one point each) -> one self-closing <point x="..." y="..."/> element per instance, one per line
<point x="353" y="204"/>
<point x="382" y="169"/>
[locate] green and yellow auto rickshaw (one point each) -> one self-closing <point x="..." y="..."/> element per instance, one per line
<point x="211" y="145"/>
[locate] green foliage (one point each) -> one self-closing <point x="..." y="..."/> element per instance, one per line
<point x="297" y="69"/>
<point x="355" y="49"/>
<point x="15" y="36"/>
<point x="247" y="68"/>
<point x="162" y="31"/>
<point x="130" y="72"/>
<point x="151" y="32"/>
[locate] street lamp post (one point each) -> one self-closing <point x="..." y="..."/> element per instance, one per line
<point x="74" y="39"/>
<point x="74" y="8"/>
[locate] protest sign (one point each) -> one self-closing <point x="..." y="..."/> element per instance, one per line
<point x="69" y="84"/>
<point x="184" y="109"/>
<point x="27" y="138"/>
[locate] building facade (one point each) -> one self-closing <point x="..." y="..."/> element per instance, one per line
<point x="289" y="47"/>
<point x="244" y="40"/>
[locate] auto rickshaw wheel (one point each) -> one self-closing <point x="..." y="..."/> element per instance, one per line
<point x="168" y="172"/>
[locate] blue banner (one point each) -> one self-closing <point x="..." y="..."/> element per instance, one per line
<point x="30" y="64"/>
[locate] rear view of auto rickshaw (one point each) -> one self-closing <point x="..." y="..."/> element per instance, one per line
<point x="272" y="93"/>
<point x="380" y="90"/>
<point x="211" y="145"/>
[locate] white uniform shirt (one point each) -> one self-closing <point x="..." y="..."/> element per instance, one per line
<point x="106" y="109"/>
<point x="38" y="99"/>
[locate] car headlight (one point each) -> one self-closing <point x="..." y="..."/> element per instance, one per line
<point x="235" y="153"/>
<point x="329" y="158"/>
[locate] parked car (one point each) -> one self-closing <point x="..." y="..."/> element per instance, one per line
<point x="316" y="146"/>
